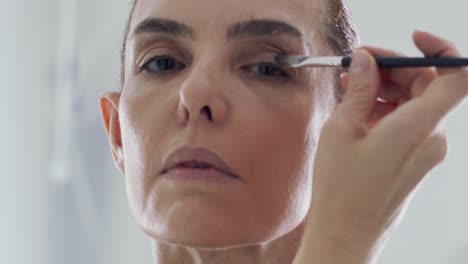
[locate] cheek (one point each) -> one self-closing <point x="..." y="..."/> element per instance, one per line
<point x="144" y="131"/>
<point x="281" y="146"/>
<point x="289" y="143"/>
<point x="282" y="131"/>
<point x="134" y="157"/>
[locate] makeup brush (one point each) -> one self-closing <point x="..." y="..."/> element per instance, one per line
<point x="294" y="61"/>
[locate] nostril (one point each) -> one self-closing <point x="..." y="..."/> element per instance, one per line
<point x="206" y="110"/>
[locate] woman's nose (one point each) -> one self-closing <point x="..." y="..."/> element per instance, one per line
<point x="202" y="98"/>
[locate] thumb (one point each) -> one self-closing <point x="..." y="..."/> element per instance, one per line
<point x="363" y="88"/>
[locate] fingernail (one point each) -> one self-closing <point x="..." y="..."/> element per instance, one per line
<point x="360" y="62"/>
<point x="421" y="30"/>
<point x="427" y="33"/>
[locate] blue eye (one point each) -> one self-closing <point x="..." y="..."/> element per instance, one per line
<point x="162" y="64"/>
<point x="268" y="70"/>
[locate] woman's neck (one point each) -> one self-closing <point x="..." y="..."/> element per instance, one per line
<point x="279" y="251"/>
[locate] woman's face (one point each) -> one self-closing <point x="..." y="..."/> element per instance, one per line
<point x="201" y="74"/>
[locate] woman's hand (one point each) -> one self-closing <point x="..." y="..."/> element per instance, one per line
<point x="372" y="155"/>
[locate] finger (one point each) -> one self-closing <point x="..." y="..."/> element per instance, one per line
<point x="412" y="81"/>
<point x="363" y="86"/>
<point x="435" y="46"/>
<point x="452" y="87"/>
<point x="391" y="99"/>
<point x="389" y="92"/>
<point x="431" y="152"/>
<point x="381" y="109"/>
<point x="415" y="120"/>
<point x="383" y="106"/>
<point x="344" y="80"/>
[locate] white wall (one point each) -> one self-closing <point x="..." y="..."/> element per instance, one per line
<point x="80" y="214"/>
<point x="27" y="45"/>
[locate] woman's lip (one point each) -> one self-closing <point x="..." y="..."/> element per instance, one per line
<point x="184" y="155"/>
<point x="195" y="174"/>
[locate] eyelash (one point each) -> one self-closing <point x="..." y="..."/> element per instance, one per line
<point x="147" y="66"/>
<point x="283" y="74"/>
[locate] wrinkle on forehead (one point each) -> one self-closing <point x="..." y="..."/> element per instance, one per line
<point x="218" y="15"/>
<point x="299" y="6"/>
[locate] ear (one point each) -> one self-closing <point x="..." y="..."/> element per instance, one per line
<point x="109" y="103"/>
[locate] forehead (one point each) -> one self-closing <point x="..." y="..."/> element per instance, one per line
<point x="217" y="15"/>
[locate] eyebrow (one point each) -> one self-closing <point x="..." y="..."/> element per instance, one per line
<point x="165" y="26"/>
<point x="262" y="27"/>
<point x="244" y="29"/>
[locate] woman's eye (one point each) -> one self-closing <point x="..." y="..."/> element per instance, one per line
<point x="268" y="70"/>
<point x="162" y="64"/>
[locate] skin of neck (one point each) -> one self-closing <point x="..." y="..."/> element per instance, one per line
<point x="277" y="251"/>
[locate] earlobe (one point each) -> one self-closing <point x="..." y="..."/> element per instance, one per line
<point x="109" y="104"/>
<point x="118" y="159"/>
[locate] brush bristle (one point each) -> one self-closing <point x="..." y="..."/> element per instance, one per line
<point x="283" y="60"/>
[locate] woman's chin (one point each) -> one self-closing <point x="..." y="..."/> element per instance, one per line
<point x="203" y="228"/>
<point x="193" y="236"/>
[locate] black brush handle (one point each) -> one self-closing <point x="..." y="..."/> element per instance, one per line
<point x="400" y="62"/>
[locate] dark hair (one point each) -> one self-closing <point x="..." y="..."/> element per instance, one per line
<point x="124" y="46"/>
<point x="339" y="34"/>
